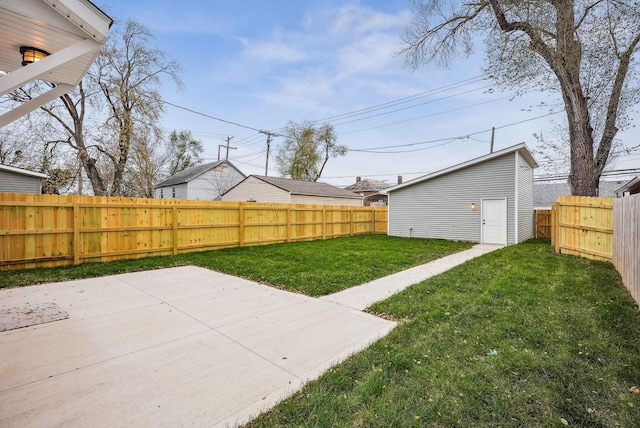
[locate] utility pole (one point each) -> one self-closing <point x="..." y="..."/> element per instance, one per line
<point x="228" y="147"/>
<point x="266" y="166"/>
<point x="493" y="134"/>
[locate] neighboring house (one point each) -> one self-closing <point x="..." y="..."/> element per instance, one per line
<point x="370" y="190"/>
<point x="631" y="187"/>
<point x="256" y="188"/>
<point x="487" y="200"/>
<point x="546" y="194"/>
<point x="204" y="182"/>
<point x="17" y="180"/>
<point x="54" y="41"/>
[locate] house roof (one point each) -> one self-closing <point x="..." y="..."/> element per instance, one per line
<point x="71" y="31"/>
<point x="632" y="186"/>
<point x="22" y="171"/>
<point x="521" y="148"/>
<point x="368" y="185"/>
<point x="548" y="193"/>
<point x="308" y="188"/>
<point x="193" y="172"/>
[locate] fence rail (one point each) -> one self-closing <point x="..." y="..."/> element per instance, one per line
<point x="52" y="230"/>
<point x="626" y="238"/>
<point x="583" y="226"/>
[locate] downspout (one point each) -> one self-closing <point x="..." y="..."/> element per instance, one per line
<point x="517" y="213"/>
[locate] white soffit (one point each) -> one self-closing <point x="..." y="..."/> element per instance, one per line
<point x="71" y="31"/>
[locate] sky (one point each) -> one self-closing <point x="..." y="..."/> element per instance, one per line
<point x="262" y="64"/>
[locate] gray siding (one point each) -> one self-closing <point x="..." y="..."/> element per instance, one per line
<point x="11" y="182"/>
<point x="524" y="174"/>
<point x="441" y="207"/>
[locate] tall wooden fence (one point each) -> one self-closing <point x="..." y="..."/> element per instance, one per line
<point x="52" y="230"/>
<point x="583" y="226"/>
<point x="626" y="238"/>
<point x="542" y="224"/>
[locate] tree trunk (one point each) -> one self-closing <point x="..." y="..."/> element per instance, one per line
<point x="584" y="177"/>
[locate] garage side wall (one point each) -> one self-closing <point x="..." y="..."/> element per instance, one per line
<point x="441" y="207"/>
<point x="257" y="190"/>
<point x="325" y="200"/>
<point x="524" y="174"/>
<point x="17" y="183"/>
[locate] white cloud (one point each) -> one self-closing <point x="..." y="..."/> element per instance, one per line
<point x="273" y="51"/>
<point x="355" y="19"/>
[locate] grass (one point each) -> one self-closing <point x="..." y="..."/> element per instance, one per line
<point x="519" y="337"/>
<point x="311" y="267"/>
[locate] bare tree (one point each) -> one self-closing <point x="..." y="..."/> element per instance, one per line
<point x="306" y="150"/>
<point x="583" y="49"/>
<point x="128" y="72"/>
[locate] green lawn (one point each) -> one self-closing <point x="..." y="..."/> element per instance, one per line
<point x="311" y="267"/>
<point x="520" y="337"/>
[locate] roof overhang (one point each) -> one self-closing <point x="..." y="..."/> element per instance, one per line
<point x="632" y="186"/>
<point x="520" y="148"/>
<point x="23" y="172"/>
<point x="72" y="31"/>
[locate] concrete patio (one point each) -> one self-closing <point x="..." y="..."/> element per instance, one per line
<point x="166" y="348"/>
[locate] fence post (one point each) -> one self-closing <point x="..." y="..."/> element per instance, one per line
<point x="324" y="223"/>
<point x="174" y="212"/>
<point x="289" y="224"/>
<point x="241" y="224"/>
<point x="373" y="220"/>
<point x="76" y="233"/>
<point x="351" y="221"/>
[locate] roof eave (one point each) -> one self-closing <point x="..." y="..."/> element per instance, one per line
<point x="521" y="148"/>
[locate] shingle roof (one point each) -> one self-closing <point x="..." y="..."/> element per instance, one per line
<point x="548" y="193"/>
<point x="368" y="185"/>
<point x="309" y="188"/>
<point x="190" y="173"/>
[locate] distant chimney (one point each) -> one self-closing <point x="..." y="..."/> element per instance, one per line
<point x="358" y="179"/>
<point x="399" y="179"/>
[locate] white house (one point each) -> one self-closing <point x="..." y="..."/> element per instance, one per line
<point x="18" y="180"/>
<point x="204" y="182"/>
<point x="256" y="188"/>
<point x="55" y="41"/>
<point x="488" y="199"/>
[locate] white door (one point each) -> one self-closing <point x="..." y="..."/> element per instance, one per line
<point x="494" y="221"/>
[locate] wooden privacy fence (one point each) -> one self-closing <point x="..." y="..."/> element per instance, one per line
<point x="542" y="224"/>
<point x="52" y="230"/>
<point x="626" y="239"/>
<point x="583" y="226"/>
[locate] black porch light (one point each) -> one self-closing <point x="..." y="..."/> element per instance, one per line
<point x="31" y="55"/>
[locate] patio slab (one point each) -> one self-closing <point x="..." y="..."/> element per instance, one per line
<point x="174" y="347"/>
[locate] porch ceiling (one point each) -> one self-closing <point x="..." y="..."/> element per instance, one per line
<point x="71" y="31"/>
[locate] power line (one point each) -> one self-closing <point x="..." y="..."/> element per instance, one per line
<point x="404" y="100"/>
<point x="439" y="140"/>
<point x="418" y="105"/>
<point x="211" y="117"/>
<point x="422" y="117"/>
